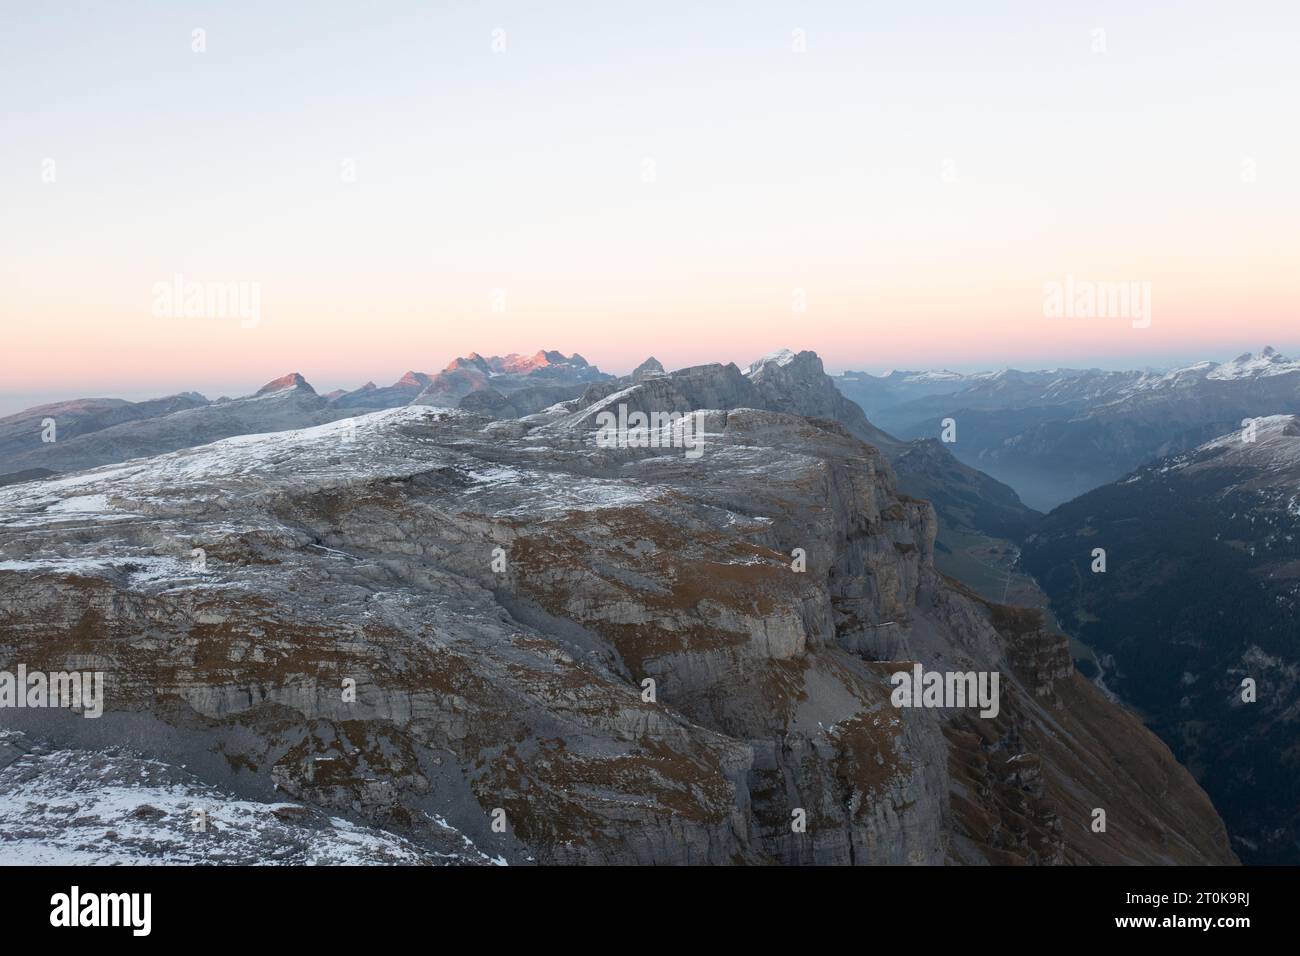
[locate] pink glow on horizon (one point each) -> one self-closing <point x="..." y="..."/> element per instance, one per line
<point x="917" y="186"/>
<point x="340" y="350"/>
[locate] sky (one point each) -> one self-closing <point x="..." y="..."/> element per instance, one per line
<point x="392" y="185"/>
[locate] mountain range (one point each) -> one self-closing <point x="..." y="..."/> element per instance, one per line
<point x="1052" y="435"/>
<point x="425" y="621"/>
<point x="354" y="535"/>
<point x="512" y="386"/>
<point x="100" y="431"/>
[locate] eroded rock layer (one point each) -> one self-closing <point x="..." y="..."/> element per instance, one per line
<point x="613" y="646"/>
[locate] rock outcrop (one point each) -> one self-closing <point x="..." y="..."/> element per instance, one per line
<point x="625" y="655"/>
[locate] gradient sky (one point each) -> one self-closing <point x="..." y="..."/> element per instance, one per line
<point x="1172" y="158"/>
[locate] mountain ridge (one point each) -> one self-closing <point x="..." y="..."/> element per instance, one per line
<point x="1200" y="591"/>
<point x="366" y="548"/>
<point x="1056" y="434"/>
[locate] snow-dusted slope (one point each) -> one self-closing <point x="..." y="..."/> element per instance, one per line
<point x="423" y="615"/>
<point x="66" y="807"/>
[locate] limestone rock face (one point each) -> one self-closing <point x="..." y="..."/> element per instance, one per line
<point x="966" y="500"/>
<point x="423" y="619"/>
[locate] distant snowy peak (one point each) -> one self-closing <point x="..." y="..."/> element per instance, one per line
<point x="915" y="376"/>
<point x="1266" y="363"/>
<point x="518" y="364"/>
<point x="514" y="363"/>
<point x="1261" y="450"/>
<point x="284" y="383"/>
<point x="937" y="375"/>
<point x="1268" y="430"/>
<point x="497" y="375"/>
<point x="779" y="358"/>
<point x="1287" y="426"/>
<point x="1269" y="362"/>
<point x="901" y="376"/>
